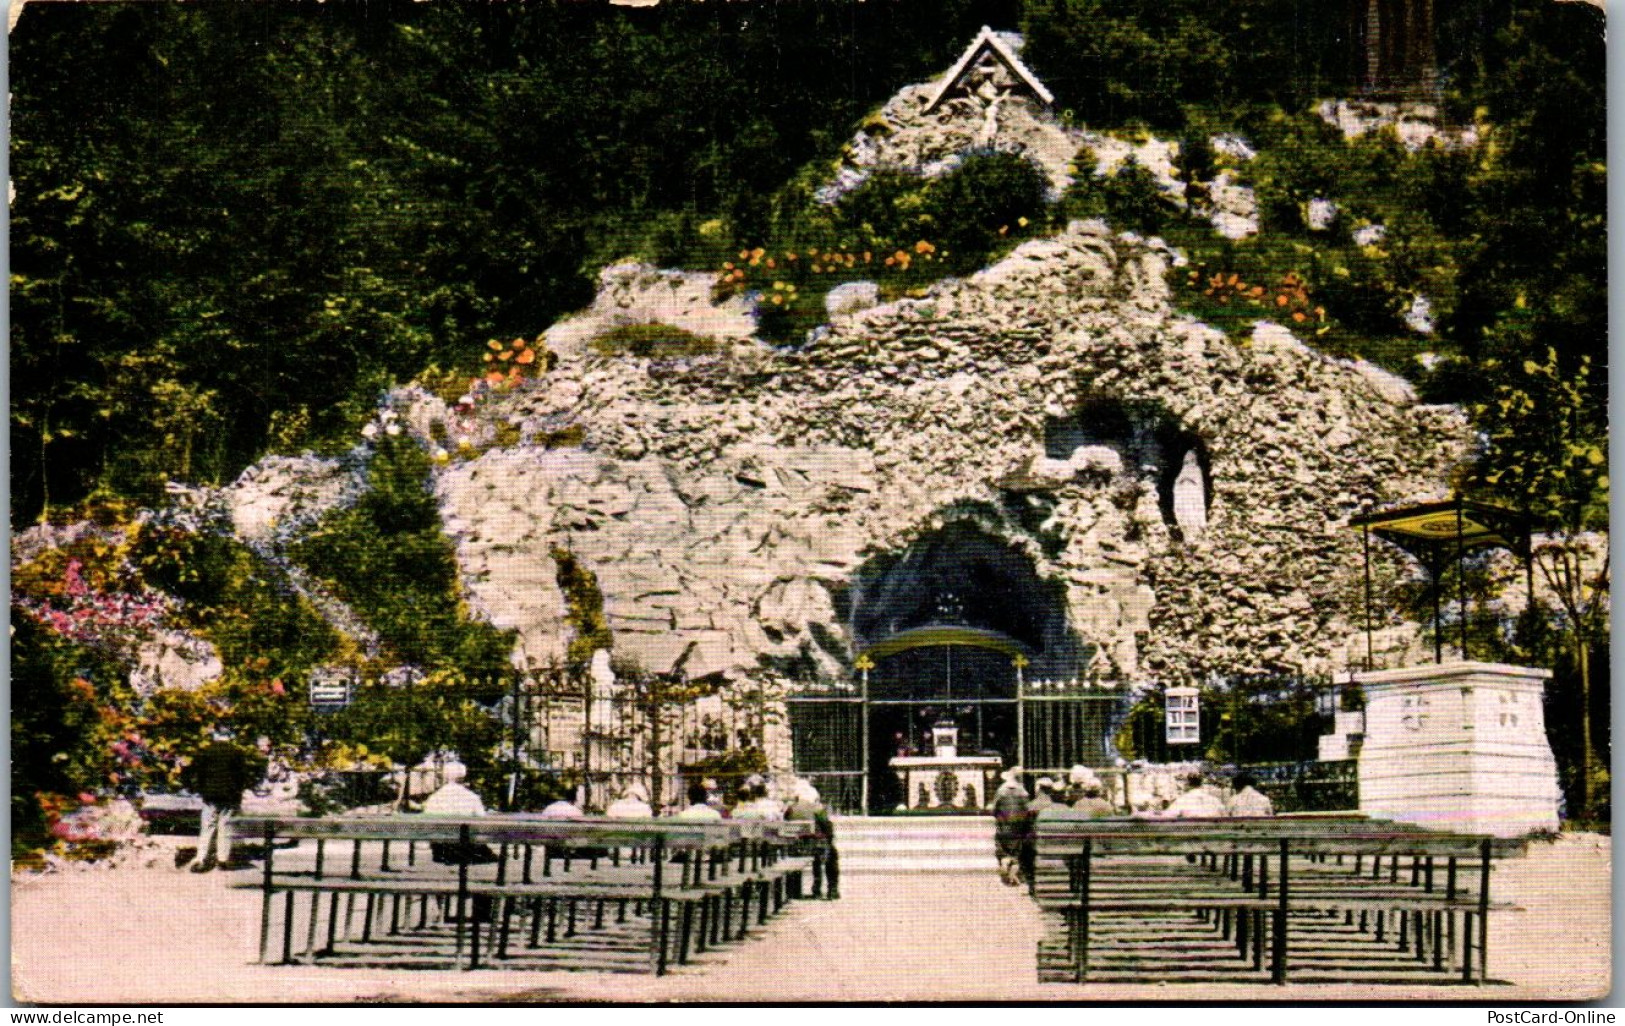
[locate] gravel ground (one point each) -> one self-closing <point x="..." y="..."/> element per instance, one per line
<point x="157" y="936"/>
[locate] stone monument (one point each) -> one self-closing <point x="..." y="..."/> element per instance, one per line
<point x="1458" y="746"/>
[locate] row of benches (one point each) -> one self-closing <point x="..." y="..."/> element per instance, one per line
<point x="518" y="891"/>
<point x="1327" y="898"/>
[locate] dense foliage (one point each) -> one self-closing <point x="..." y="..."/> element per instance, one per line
<point x="251" y="218"/>
<point x="388" y="558"/>
<point x="235" y="225"/>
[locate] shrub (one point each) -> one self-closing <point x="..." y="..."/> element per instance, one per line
<point x="653" y="342"/>
<point x="978" y="207"/>
<point x="388" y="558"/>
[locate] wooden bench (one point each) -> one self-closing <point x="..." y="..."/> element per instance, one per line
<point x="1330" y="898"/>
<point x="590" y="894"/>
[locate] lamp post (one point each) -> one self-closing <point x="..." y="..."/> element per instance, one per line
<point x="1020" y="663"/>
<point x="864" y="665"/>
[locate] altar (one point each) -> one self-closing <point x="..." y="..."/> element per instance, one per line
<point x="946" y="779"/>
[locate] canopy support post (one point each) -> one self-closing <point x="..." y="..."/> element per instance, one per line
<point x="1365" y="547"/>
<point x="1461" y="581"/>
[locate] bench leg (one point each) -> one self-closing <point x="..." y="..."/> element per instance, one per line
<point x="1467" y="947"/>
<point x="310" y="928"/>
<point x="663" y="914"/>
<point x="705" y="924"/>
<point x="570" y="922"/>
<point x="535" y="920"/>
<point x="332" y="924"/>
<point x="598" y="917"/>
<point x="287" y="930"/>
<point x="684" y="931"/>
<point x="552" y="920"/>
<point x="507" y="923"/>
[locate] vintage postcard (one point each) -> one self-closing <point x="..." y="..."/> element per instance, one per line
<point x="809" y="501"/>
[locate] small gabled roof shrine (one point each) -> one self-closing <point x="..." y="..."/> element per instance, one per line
<point x="987" y="48"/>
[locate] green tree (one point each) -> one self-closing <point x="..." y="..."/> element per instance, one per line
<point x="1547" y="456"/>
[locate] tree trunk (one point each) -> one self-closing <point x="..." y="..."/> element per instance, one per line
<point x="1585" y="726"/>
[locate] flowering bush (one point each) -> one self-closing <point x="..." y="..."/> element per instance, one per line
<point x="790" y="284"/>
<point x="112" y="620"/>
<point x="1230" y="294"/>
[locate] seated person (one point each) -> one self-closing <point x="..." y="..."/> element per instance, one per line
<point x="453" y="800"/>
<point x="564" y="808"/>
<point x="754" y="802"/>
<point x="1199" y="802"/>
<point x="698" y="804"/>
<point x="632" y="804"/>
<point x="1094" y="802"/>
<point x="1248" y="800"/>
<point x="1045" y="796"/>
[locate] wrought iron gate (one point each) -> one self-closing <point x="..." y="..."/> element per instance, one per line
<point x="828" y="739"/>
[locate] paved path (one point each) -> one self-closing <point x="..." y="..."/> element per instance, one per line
<point x="117" y="937"/>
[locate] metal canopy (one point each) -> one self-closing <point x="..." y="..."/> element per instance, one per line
<point x="1455" y="524"/>
<point x="945" y="634"/>
<point x="1438" y="534"/>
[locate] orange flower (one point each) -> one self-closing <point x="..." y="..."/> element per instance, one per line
<point x="770" y="263"/>
<point x="890" y="261"/>
<point x="728" y="265"/>
<point x="791" y="257"/>
<point x="489" y="357"/>
<point x="868" y="257"/>
<point x="528" y="356"/>
<point x="1281" y="301"/>
<point x="505" y="356"/>
<point x="519" y="343"/>
<point x="494" y="344"/>
<point x="744" y="254"/>
<point x="923" y="247"/>
<point x="495" y="377"/>
<point x="1297" y="315"/>
<point x="739" y="274"/>
<point x="812" y="250"/>
<point x="778" y="299"/>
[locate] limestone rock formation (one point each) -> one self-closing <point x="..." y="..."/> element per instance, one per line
<point x="732" y="509"/>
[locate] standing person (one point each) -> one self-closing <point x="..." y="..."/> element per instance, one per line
<point x="219" y="774"/>
<point x="1248" y="800"/>
<point x="808" y="807"/>
<point x="1012" y="833"/>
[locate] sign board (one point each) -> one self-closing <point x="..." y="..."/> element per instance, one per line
<point x="330" y="691"/>
<point x="1184" y="723"/>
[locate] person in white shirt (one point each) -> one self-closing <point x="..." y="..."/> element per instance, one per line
<point x="452" y="798"/>
<point x="632" y="804"/>
<point x="1200" y="802"/>
<point x="1248" y="800"/>
<point x="697" y="807"/>
<point x="755" y="804"/>
<point x="563" y="809"/>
